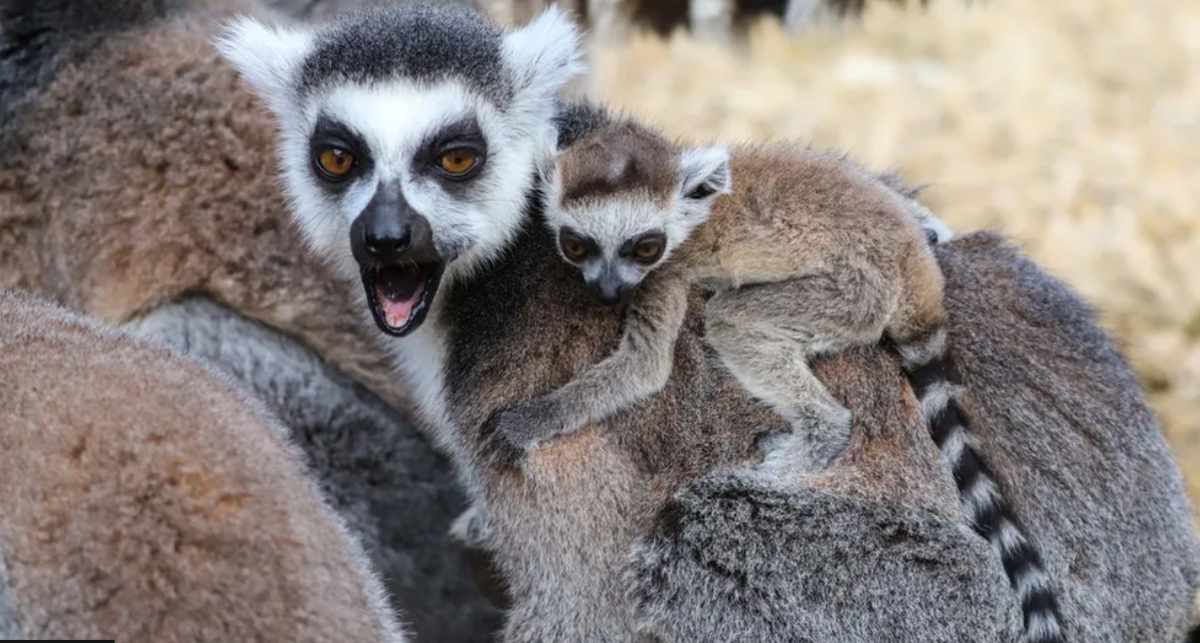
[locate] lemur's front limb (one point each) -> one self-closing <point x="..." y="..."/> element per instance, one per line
<point x="639" y="368"/>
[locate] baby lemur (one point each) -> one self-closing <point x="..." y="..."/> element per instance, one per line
<point x="629" y="206"/>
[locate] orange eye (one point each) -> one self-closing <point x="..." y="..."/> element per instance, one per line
<point x="458" y="162"/>
<point x="335" y="162"/>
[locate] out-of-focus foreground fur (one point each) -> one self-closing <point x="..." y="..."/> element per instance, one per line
<point x="142" y="497"/>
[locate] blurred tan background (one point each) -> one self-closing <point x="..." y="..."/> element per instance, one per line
<point x="1071" y="125"/>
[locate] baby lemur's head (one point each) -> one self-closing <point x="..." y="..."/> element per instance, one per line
<point x="622" y="198"/>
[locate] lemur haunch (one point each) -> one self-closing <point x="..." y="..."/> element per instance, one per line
<point x="625" y="201"/>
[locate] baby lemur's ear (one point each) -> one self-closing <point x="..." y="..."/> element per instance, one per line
<point x="706" y="172"/>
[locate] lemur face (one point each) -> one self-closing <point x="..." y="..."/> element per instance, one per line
<point x="409" y="138"/>
<point x="616" y="219"/>
<point x="614" y="243"/>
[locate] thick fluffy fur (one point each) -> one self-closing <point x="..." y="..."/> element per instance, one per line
<point x="138" y="169"/>
<point x="144" y="498"/>
<point x="376" y="469"/>
<point x="840" y="543"/>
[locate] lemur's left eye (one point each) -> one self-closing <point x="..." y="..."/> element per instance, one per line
<point x="335" y="163"/>
<point x="648" y="249"/>
<point x="458" y="162"/>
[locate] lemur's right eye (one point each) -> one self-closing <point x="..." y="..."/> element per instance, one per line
<point x="573" y="247"/>
<point x="335" y="162"/>
<point x="458" y="162"/>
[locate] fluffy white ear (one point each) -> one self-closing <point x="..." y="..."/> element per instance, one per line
<point x="542" y="57"/>
<point x="706" y="172"/>
<point x="268" y="57"/>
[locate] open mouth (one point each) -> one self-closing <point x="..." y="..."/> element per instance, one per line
<point x="400" y="294"/>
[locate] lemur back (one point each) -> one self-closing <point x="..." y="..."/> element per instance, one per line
<point x="807" y="254"/>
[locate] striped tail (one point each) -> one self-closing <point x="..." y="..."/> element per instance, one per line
<point x="930" y="371"/>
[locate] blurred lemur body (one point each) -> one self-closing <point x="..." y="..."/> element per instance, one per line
<point x="438" y="215"/>
<point x="143" y="497"/>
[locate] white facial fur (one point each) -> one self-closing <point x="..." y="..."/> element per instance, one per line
<point x="611" y="222"/>
<point x="395" y="118"/>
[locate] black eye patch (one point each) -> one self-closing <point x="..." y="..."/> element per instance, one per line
<point x="568" y="238"/>
<point x="648" y="237"/>
<point x="330" y="134"/>
<point x="464" y="135"/>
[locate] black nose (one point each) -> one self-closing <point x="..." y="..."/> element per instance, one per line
<point x="388" y="228"/>
<point x="386" y="239"/>
<point x="611" y="294"/>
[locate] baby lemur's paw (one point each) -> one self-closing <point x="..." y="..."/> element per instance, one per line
<point x="472" y="529"/>
<point x="512" y="433"/>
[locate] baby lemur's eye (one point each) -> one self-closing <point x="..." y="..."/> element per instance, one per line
<point x="574" y="247"/>
<point x="702" y="191"/>
<point x="457" y="163"/>
<point x="649" y="248"/>
<point x="335" y="163"/>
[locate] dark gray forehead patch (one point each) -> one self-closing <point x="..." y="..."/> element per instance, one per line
<point x="619" y="158"/>
<point x="419" y="42"/>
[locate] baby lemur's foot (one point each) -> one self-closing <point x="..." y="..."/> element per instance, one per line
<point x="820" y="435"/>
<point x="512" y="433"/>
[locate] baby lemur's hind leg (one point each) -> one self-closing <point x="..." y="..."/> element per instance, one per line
<point x="766" y="333"/>
<point x="637" y="369"/>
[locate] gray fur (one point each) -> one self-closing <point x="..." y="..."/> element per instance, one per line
<point x="10" y="629"/>
<point x="800" y="564"/>
<point x="425" y="42"/>
<point x="374" y="467"/>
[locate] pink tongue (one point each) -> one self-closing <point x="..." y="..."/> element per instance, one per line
<point x="398" y="290"/>
<point x="397" y="312"/>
